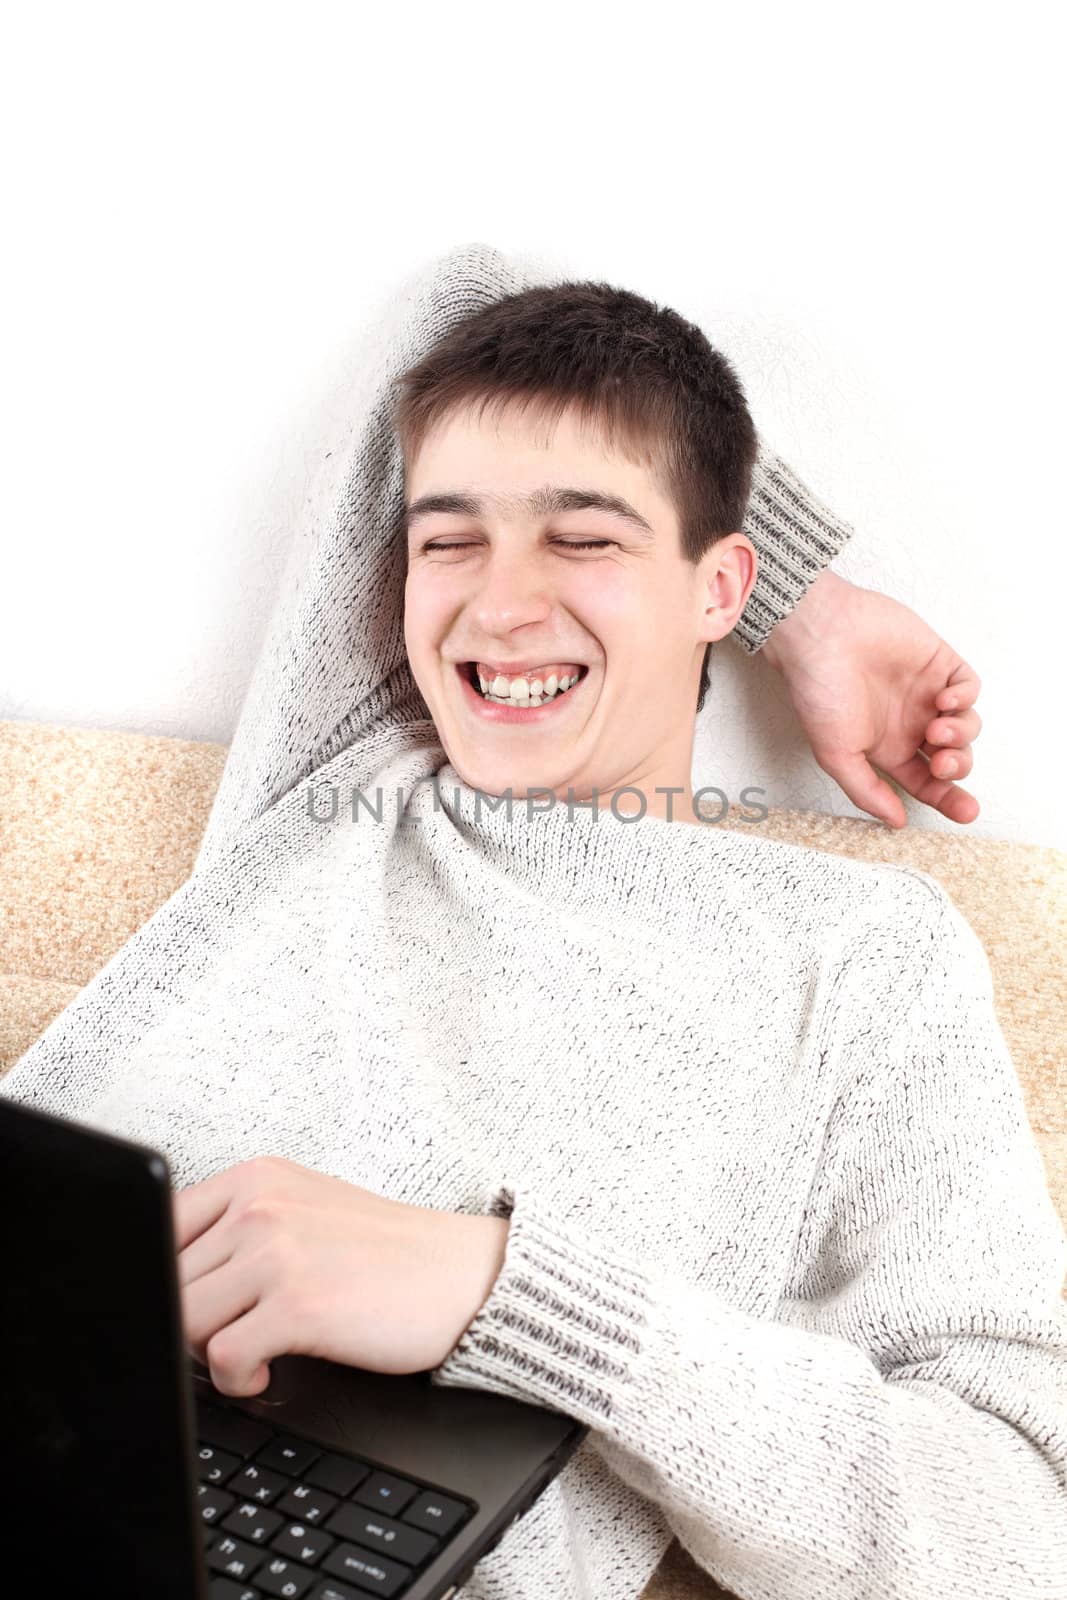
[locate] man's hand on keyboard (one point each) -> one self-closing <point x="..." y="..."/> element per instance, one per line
<point x="276" y="1259"/>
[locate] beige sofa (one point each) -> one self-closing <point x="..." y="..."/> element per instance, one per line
<point x="97" y="829"/>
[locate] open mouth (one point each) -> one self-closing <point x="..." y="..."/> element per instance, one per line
<point x="471" y="669"/>
<point x="505" y="707"/>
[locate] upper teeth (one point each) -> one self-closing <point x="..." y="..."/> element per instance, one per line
<point x="526" y="688"/>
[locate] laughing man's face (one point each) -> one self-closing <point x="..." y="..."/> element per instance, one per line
<point x="585" y="623"/>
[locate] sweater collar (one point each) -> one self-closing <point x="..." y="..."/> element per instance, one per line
<point x="573" y="848"/>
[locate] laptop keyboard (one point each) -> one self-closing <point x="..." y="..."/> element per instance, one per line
<point x="284" y="1517"/>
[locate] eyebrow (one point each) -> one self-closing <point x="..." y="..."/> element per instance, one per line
<point x="550" y="500"/>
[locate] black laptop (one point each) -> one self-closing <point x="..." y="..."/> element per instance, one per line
<point x="125" y="1473"/>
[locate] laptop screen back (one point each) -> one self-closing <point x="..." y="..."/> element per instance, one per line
<point x="97" y="1455"/>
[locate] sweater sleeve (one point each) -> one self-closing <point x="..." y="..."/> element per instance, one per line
<point x="899" y="1430"/>
<point x="796" y="537"/>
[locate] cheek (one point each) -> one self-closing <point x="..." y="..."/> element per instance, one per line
<point x="641" y="627"/>
<point x="628" y="616"/>
<point x="606" y="602"/>
<point x="424" y="612"/>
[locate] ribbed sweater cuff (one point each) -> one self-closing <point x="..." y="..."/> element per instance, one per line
<point x="563" y="1325"/>
<point x="796" y="538"/>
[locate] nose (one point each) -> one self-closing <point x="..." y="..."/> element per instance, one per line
<point x="512" y="591"/>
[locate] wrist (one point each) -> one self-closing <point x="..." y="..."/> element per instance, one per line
<point x="478" y="1259"/>
<point x="802" y="629"/>
<point x="497" y="1230"/>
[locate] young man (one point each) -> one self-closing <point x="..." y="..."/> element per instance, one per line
<point x="710" y="1141"/>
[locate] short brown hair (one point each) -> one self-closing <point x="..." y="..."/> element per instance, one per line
<point x="650" y="381"/>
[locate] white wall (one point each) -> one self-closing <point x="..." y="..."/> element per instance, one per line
<point x="201" y="201"/>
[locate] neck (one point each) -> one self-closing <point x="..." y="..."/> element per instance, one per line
<point x="662" y="782"/>
<point x="660" y="798"/>
<point x="659" y="786"/>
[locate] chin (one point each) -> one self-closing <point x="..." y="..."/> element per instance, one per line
<point x="490" y="778"/>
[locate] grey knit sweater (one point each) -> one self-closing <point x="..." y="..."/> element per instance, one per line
<point x="780" y="1231"/>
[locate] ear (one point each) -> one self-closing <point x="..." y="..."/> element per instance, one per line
<point x="728" y="575"/>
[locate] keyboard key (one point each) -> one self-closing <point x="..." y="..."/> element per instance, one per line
<point x="374" y="1574"/>
<point x="288" y="1455"/>
<point x="230" y="1430"/>
<point x="212" y="1504"/>
<point x="285" y="1578"/>
<point x="254" y="1523"/>
<point x="436" y="1513"/>
<point x="214" y="1466"/>
<point x="336" y="1591"/>
<point x="362" y="1525"/>
<point x="339" y="1474"/>
<point x="256" y="1483"/>
<point x="302" y="1543"/>
<point x="226" y="1589"/>
<point x="306" y="1503"/>
<point x="385" y="1493"/>
<point x="233" y="1557"/>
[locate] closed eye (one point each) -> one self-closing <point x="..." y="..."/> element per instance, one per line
<point x="567" y="544"/>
